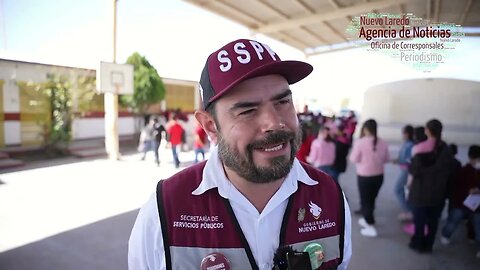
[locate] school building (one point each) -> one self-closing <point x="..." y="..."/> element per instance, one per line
<point x="24" y="112"/>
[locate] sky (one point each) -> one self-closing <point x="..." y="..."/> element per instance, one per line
<point x="176" y="37"/>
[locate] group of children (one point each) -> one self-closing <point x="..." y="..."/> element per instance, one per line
<point x="326" y="141"/>
<point x="429" y="177"/>
<point x="432" y="177"/>
<point x="174" y="133"/>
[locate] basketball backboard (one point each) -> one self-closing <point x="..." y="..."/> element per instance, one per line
<point x="115" y="78"/>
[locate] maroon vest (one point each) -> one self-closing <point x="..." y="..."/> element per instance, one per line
<point x="195" y="225"/>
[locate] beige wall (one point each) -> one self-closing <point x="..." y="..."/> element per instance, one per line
<point x="456" y="103"/>
<point x="16" y="98"/>
<point x="14" y="74"/>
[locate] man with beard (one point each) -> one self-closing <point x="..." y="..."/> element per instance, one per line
<point x="252" y="199"/>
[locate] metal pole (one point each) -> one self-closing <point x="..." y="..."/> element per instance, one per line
<point x="111" y="104"/>
<point x="114" y="31"/>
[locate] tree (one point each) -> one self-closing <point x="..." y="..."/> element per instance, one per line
<point x="54" y="102"/>
<point x="148" y="86"/>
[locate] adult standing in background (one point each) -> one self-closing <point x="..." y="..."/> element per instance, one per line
<point x="350" y="125"/>
<point x="158" y="130"/>
<point x="419" y="135"/>
<point x="431" y="169"/>
<point x="175" y="133"/>
<point x="199" y="142"/>
<point x="370" y="154"/>
<point x="146" y="142"/>
<point x="306" y="142"/>
<point x="342" y="146"/>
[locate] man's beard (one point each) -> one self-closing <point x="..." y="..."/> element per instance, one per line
<point x="245" y="167"/>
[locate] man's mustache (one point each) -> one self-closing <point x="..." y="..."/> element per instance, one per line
<point x="276" y="137"/>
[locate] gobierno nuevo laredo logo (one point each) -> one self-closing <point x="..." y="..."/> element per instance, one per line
<point x="414" y="41"/>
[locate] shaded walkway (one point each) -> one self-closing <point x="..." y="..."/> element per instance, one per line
<point x="389" y="250"/>
<point x="101" y="245"/>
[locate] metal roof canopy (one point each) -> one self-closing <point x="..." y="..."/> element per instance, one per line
<point x="318" y="26"/>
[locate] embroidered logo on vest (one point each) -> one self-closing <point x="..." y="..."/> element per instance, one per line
<point x="301" y="214"/>
<point x="317" y="224"/>
<point x="315" y="210"/>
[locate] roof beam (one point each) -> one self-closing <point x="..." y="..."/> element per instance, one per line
<point x="309" y="10"/>
<point x="429" y="9"/>
<point x="273" y="8"/>
<point x="330" y="51"/>
<point x="437" y="11"/>
<point x="402" y="8"/>
<point x="322" y="40"/>
<point x="305" y="6"/>
<point x="293" y="42"/>
<point x="336" y="6"/>
<point x="465" y="12"/>
<point x="316" y="18"/>
<point x="244" y="18"/>
<point x="335" y="31"/>
<point x="285" y="17"/>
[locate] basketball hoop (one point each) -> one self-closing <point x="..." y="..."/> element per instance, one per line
<point x="118" y="80"/>
<point x="115" y="78"/>
<point x="118" y="89"/>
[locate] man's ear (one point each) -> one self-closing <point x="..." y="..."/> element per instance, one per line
<point x="208" y="124"/>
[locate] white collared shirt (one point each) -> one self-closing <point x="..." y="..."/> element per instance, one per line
<point x="262" y="230"/>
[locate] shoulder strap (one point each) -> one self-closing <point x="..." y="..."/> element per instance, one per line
<point x="163" y="223"/>
<point x="342" y="221"/>
<point x="283" y="229"/>
<point x="246" y="246"/>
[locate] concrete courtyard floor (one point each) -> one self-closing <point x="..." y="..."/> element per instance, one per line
<point x="77" y="214"/>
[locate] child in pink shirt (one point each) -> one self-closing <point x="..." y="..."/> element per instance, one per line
<point x="370" y="154"/>
<point x="424" y="147"/>
<point x="369" y="159"/>
<point x="322" y="152"/>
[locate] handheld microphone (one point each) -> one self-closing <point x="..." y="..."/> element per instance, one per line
<point x="280" y="258"/>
